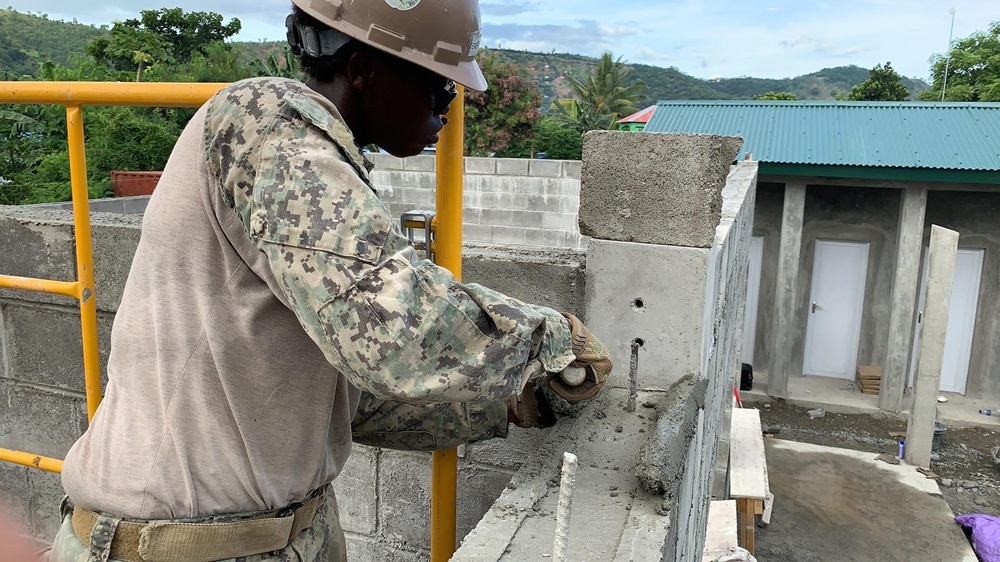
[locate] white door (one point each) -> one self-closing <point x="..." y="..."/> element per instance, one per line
<point x="835" y="308"/>
<point x="961" y="320"/>
<point x="753" y="298"/>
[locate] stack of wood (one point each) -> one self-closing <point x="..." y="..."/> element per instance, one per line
<point x="869" y="378"/>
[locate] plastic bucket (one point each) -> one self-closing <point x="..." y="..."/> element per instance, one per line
<point x="939" y="429"/>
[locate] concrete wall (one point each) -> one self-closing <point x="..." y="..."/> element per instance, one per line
<point x="507" y="201"/>
<point x="976" y="218"/>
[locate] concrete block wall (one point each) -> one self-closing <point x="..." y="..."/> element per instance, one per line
<point x="507" y="201"/>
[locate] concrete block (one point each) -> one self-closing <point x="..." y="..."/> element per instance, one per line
<point x="654" y="188"/>
<point x="37" y="244"/>
<point x="480" y="165"/>
<point x="496" y="217"/>
<point x="570" y="204"/>
<point x="527" y="219"/>
<point x="508" y="235"/>
<point x="135" y="205"/>
<point x="545" y="168"/>
<point x="555" y="279"/>
<point x="385" y="161"/>
<point x="46" y="496"/>
<point x="478" y="488"/>
<point x="546" y="203"/>
<point x="559" y="221"/>
<point x="509" y="453"/>
<point x="39" y="421"/>
<point x="549" y="238"/>
<point x="363" y="549"/>
<point x="44" y="345"/>
<point x="651" y="293"/>
<point x="562" y="187"/>
<point x="512" y="167"/>
<point x="572" y="168"/>
<point x="355" y="488"/>
<point x="15" y="491"/>
<point x="404" y="486"/>
<point x="477" y="233"/>
<point x="419" y="163"/>
<point x="114" y="248"/>
<point x="421" y="197"/>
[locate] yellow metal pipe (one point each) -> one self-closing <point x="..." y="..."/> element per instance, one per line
<point x="448" y="253"/>
<point x="160" y="94"/>
<point x="28" y="459"/>
<point x="66" y="288"/>
<point x="84" y="258"/>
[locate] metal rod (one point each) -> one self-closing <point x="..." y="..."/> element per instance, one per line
<point x="633" y="376"/>
<point x="448" y="253"/>
<point x="84" y="258"/>
<point x="947" y="60"/>
<point x="32" y="460"/>
<point x="159" y="94"/>
<point x="65" y="288"/>
<point x="561" y="541"/>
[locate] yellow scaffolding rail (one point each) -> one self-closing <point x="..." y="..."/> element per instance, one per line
<point x="74" y="95"/>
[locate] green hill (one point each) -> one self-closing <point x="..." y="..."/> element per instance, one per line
<point x="27" y="40"/>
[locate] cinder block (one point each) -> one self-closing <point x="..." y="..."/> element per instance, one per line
<point x="38" y="421"/>
<point x="496" y="217"/>
<point x="361" y="549"/>
<point x="44" y="345"/>
<point x="46" y="496"/>
<point x="419" y="163"/>
<point x="554" y="279"/>
<point x="570" y="204"/>
<point x="355" y="489"/>
<point x="385" y="161"/>
<point x="422" y="198"/>
<point x="571" y="169"/>
<point x="654" y="188"/>
<point x="114" y="248"/>
<point x="15" y="491"/>
<point x="508" y="235"/>
<point x="545" y="168"/>
<point x="527" y="219"/>
<point x="512" y="167"/>
<point x="548" y="203"/>
<point x="135" y="205"/>
<point x="559" y="221"/>
<point x="37" y="244"/>
<point x="548" y="238"/>
<point x="404" y="497"/>
<point x="652" y="293"/>
<point x="480" y="165"/>
<point x="478" y="488"/>
<point x="477" y="233"/>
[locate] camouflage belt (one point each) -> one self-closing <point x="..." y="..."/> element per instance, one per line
<point x="179" y="541"/>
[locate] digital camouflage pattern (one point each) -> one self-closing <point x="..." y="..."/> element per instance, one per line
<point x="397" y="326"/>
<point x="321" y="542"/>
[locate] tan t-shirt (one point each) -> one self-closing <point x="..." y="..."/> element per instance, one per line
<point x="270" y="285"/>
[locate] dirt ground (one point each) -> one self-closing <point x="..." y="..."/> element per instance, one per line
<point x="969" y="477"/>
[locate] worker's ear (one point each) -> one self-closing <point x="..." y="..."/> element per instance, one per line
<point x="360" y="69"/>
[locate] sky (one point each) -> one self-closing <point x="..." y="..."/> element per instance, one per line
<point x="704" y="38"/>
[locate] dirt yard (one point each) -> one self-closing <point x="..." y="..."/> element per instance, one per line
<point x="969" y="479"/>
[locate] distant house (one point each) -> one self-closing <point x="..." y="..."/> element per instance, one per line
<point x="637" y="121"/>
<point x="846" y="196"/>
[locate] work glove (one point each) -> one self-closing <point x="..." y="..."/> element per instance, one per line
<point x="588" y="372"/>
<point x="530" y="409"/>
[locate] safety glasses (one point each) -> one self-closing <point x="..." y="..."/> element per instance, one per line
<point x="442" y="97"/>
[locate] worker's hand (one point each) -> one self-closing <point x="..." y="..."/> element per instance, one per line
<point x="587" y="374"/>
<point x="530" y="409"/>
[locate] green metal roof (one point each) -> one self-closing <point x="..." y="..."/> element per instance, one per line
<point x="934" y="136"/>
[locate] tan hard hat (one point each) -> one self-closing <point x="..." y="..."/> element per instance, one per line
<point x="440" y="35"/>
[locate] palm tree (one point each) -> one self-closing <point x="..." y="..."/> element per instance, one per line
<point x="606" y="96"/>
<point x="285" y="67"/>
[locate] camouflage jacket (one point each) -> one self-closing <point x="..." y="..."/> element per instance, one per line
<point x="417" y="342"/>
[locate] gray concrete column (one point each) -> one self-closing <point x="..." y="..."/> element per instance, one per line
<point x="904" y="296"/>
<point x="783" y="327"/>
<point x="923" y="411"/>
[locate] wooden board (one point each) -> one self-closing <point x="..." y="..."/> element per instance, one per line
<point x="869" y="372"/>
<point x="747" y="464"/>
<point x="720" y="535"/>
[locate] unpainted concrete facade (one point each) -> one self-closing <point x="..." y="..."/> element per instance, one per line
<point x="646" y="476"/>
<point x="874" y="212"/>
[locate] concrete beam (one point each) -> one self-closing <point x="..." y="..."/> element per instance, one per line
<point x="783" y="325"/>
<point x="654" y="188"/>
<point x="923" y="411"/>
<point x="904" y="294"/>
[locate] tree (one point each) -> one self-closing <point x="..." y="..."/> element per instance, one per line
<point x="607" y="95"/>
<point x="287" y="66"/>
<point x="883" y="84"/>
<point x="504" y="113"/>
<point x="775" y="96"/>
<point x="973" y="71"/>
<point x="557" y="141"/>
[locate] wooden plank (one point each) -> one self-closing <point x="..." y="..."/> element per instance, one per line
<point x="747" y="522"/>
<point x="721" y="533"/>
<point x="872" y="372"/>
<point x="747" y="464"/>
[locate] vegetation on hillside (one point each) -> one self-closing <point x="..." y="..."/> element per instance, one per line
<point x="973" y="69"/>
<point x="883" y="84"/>
<point x="27" y="40"/>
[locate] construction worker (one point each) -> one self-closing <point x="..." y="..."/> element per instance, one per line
<point x="274" y="312"/>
